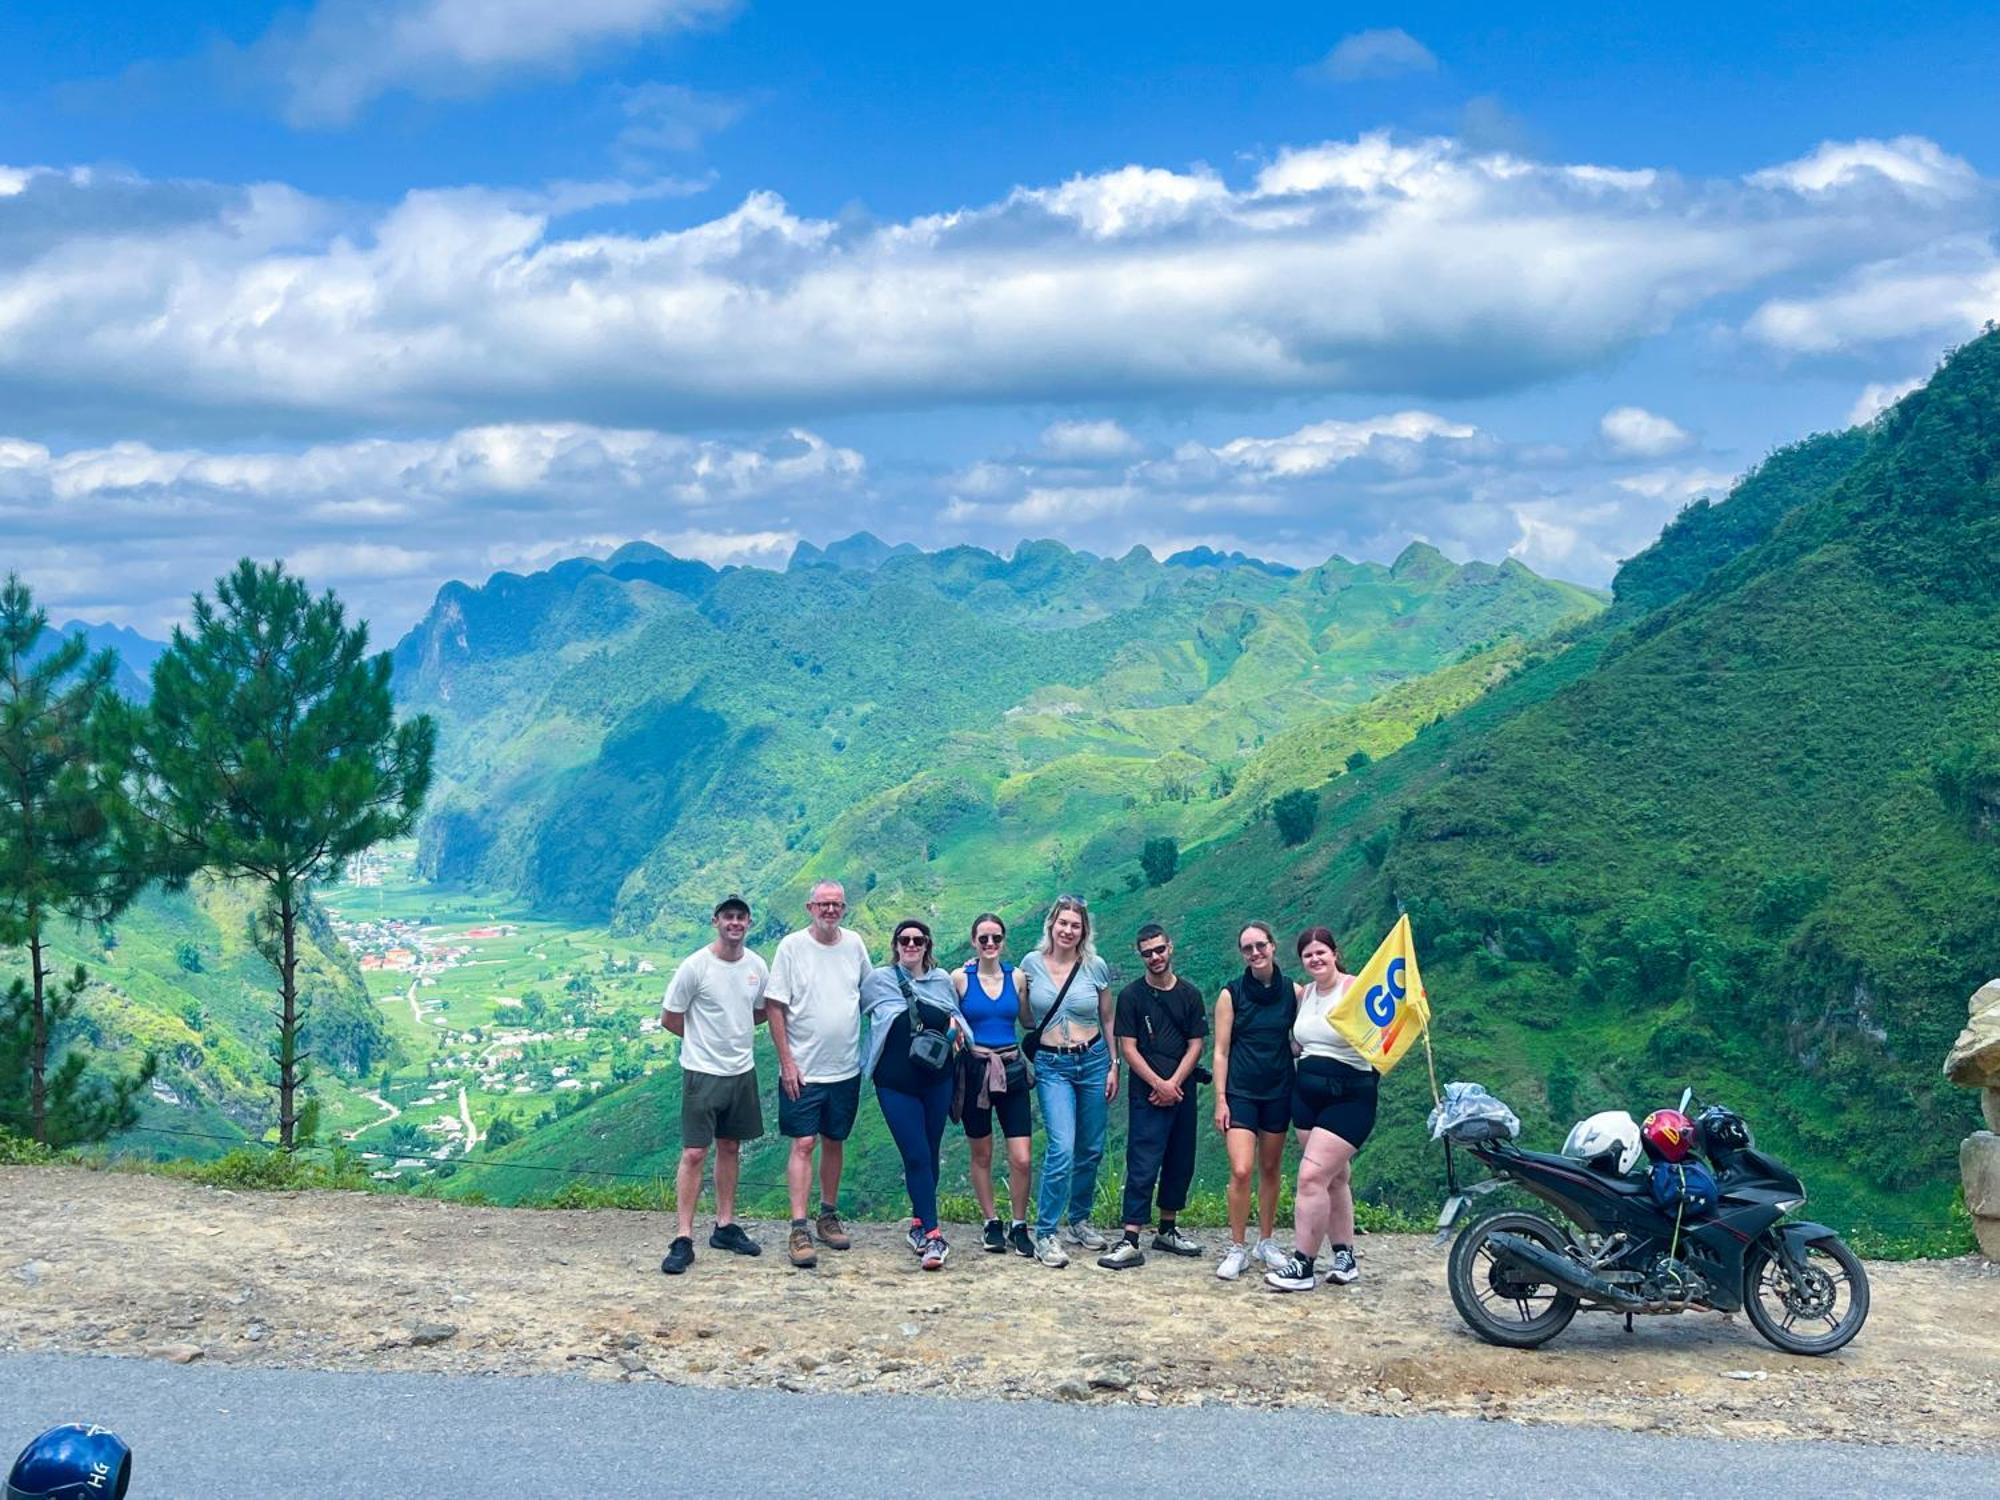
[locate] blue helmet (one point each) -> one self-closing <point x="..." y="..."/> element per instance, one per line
<point x="76" y="1461"/>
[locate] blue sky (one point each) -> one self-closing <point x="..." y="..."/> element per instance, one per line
<point x="412" y="289"/>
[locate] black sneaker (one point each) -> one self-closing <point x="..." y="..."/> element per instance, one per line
<point x="732" y="1237"/>
<point x="995" y="1237"/>
<point x="680" y="1255"/>
<point x="1022" y="1241"/>
<point x="1341" y="1270"/>
<point x="1297" y="1275"/>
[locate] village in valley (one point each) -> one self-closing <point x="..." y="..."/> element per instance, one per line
<point x="503" y="1022"/>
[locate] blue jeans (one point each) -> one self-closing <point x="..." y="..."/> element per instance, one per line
<point x="916" y="1121"/>
<point x="1075" y="1115"/>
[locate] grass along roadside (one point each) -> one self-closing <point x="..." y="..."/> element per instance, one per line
<point x="258" y="1167"/>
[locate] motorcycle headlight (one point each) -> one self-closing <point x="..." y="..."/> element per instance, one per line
<point x="1786" y="1205"/>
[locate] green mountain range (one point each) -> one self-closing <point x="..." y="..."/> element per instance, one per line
<point x="623" y="741"/>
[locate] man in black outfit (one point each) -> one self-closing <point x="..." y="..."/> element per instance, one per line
<point x="1160" y="1027"/>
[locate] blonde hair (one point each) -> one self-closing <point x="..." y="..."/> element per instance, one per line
<point x="1086" y="950"/>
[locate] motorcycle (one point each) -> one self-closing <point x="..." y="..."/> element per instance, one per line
<point x="1517" y="1278"/>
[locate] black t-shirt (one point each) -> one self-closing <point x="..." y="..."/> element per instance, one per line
<point x="894" y="1070"/>
<point x="1162" y="1022"/>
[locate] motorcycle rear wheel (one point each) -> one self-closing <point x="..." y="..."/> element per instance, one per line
<point x="1498" y="1302"/>
<point x="1776" y="1302"/>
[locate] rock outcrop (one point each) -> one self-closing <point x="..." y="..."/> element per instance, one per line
<point x="1979" y="1164"/>
<point x="1974" y="1062"/>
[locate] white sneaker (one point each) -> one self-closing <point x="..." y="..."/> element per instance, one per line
<point x="1049" y="1251"/>
<point x="1234" y="1259"/>
<point x="1079" y="1232"/>
<point x="1272" y="1255"/>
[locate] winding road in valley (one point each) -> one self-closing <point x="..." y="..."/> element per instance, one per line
<point x="465" y="1114"/>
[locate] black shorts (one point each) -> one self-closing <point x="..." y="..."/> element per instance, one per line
<point x="1329" y="1095"/>
<point x="1265" y="1116"/>
<point x="825" y="1109"/>
<point x="714" y="1107"/>
<point x="1016" y="1112"/>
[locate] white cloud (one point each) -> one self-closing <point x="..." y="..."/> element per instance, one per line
<point x="1088" y="441"/>
<point x="1677" y="486"/>
<point x="1943" y="291"/>
<point x="1394" y="440"/>
<point x="672" y="118"/>
<point x="1367" y="265"/>
<point x="1909" y="163"/>
<point x="387" y="521"/>
<point x="1877" y="397"/>
<point x="1634" y="432"/>
<point x="344" y="54"/>
<point x="1384" y="52"/>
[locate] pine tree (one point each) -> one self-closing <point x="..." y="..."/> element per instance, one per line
<point x="59" y="857"/>
<point x="270" y="753"/>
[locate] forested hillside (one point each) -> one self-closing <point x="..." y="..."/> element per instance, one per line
<point x="1742" y="832"/>
<point x="179" y="975"/>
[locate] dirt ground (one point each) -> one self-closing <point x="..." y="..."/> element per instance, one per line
<point x="144" y="1266"/>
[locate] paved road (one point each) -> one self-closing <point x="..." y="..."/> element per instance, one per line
<point x="205" y="1432"/>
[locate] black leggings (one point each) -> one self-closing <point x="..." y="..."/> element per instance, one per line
<point x="917" y="1123"/>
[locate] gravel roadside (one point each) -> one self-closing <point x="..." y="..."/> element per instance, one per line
<point x="109" y="1263"/>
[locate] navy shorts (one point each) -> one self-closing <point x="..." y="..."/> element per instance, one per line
<point x="1329" y="1095"/>
<point x="1265" y="1116"/>
<point x="824" y="1109"/>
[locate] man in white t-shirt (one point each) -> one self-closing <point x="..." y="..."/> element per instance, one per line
<point x="713" y="1005"/>
<point x="815" y="1000"/>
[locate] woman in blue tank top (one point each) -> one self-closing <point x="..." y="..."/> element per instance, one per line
<point x="997" y="1082"/>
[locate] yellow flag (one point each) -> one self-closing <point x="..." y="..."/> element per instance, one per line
<point x="1384" y="1011"/>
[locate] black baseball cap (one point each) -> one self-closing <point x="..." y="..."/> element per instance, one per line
<point x="731" y="902"/>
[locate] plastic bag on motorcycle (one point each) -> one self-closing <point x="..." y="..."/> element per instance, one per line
<point x="1684" y="1187"/>
<point x="1469" y="1114"/>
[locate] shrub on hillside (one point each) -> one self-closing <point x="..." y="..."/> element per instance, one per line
<point x="1295" y="813"/>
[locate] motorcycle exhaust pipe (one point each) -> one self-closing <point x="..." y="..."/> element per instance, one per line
<point x="1541" y="1261"/>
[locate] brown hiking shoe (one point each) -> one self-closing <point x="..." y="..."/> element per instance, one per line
<point x="831" y="1233"/>
<point x="800" y="1249"/>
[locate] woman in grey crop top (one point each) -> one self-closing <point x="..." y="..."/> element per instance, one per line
<point x="1076" y="1074"/>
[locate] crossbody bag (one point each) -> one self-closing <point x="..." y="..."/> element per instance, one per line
<point x="930" y="1049"/>
<point x="1031" y="1044"/>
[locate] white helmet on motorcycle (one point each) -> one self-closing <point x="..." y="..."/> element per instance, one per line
<point x="1610" y="1139"/>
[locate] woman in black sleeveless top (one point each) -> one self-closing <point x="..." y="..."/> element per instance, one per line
<point x="1253" y="1092"/>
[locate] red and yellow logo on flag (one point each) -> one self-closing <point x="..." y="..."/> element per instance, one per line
<point x="1384" y="1011"/>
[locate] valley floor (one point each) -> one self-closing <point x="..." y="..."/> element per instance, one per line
<point x="110" y="1263"/>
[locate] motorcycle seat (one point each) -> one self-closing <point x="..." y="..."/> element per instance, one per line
<point x="1629" y="1186"/>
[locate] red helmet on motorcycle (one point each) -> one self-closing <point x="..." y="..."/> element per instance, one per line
<point x="1667" y="1134"/>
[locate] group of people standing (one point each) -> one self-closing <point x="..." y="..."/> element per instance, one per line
<point x="982" y="1043"/>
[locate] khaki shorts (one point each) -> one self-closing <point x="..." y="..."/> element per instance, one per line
<point x="714" y="1107"/>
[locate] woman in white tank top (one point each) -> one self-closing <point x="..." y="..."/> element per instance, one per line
<point x="1333" y="1109"/>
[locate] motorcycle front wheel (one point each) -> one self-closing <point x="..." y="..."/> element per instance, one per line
<point x="1816" y="1313"/>
<point x="1499" y="1302"/>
